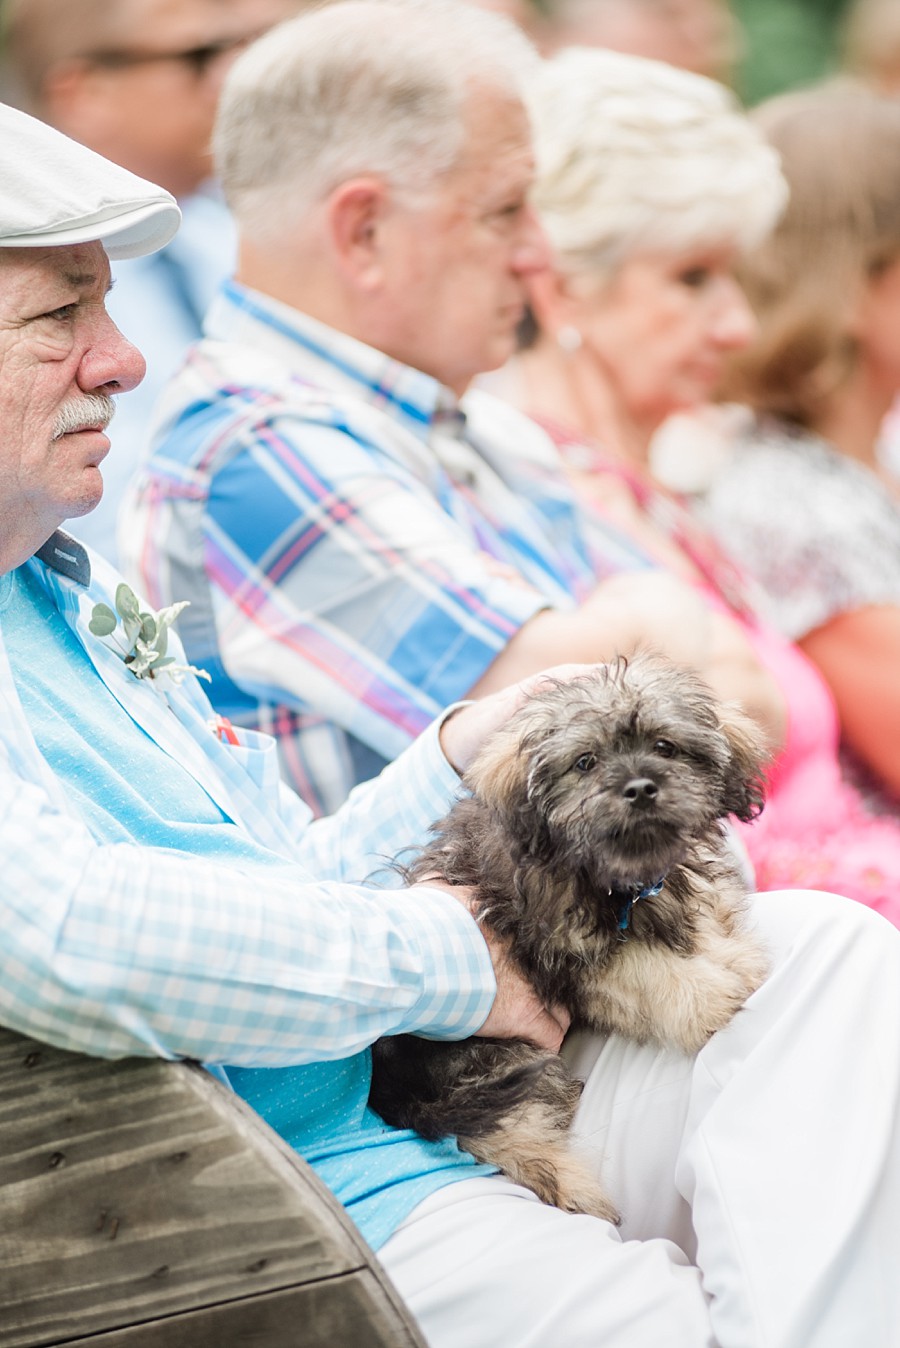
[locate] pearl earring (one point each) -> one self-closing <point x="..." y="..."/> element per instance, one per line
<point x="568" y="339"/>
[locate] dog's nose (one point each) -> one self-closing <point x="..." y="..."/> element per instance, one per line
<point x="640" y="790"/>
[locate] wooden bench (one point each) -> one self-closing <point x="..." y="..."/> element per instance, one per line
<point x="142" y="1205"/>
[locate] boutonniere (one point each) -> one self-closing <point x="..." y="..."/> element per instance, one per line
<point x="144" y="636"/>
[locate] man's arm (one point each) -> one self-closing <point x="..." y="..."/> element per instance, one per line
<point x="121" y="949"/>
<point x="116" y="950"/>
<point x="646" y="609"/>
<point x="385" y="817"/>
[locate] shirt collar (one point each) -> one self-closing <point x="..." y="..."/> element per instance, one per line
<point x="325" y="358"/>
<point x="65" y="554"/>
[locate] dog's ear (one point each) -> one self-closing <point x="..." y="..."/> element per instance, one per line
<point x="745" y="777"/>
<point x="497" y="774"/>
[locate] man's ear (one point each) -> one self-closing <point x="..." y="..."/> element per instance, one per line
<point x="356" y="217"/>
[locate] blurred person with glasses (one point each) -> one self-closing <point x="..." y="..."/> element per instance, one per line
<point x="138" y="81"/>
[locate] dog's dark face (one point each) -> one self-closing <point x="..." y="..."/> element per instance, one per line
<point x="625" y="767"/>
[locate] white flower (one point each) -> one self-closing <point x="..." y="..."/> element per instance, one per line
<point x="146" y="636"/>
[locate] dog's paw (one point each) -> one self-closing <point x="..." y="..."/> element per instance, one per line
<point x="541" y="1159"/>
<point x="585" y="1196"/>
<point x="714" y="990"/>
<point x="654" y="995"/>
<point x="562" y="1180"/>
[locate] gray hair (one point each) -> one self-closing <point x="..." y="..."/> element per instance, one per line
<point x="633" y="154"/>
<point x="361" y="86"/>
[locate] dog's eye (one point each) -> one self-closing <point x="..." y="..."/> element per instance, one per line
<point x="586" y="762"/>
<point x="665" y="748"/>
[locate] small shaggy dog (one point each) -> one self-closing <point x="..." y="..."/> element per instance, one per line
<point x="593" y="838"/>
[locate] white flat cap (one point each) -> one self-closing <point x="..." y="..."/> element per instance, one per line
<point x="54" y="191"/>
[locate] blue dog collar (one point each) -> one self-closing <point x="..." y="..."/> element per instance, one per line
<point x="625" y="914"/>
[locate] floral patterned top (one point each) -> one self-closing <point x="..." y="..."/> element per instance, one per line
<point x="819" y="532"/>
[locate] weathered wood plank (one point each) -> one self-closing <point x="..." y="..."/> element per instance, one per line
<point x="346" y="1312"/>
<point x="140" y="1189"/>
<point x="349" y="1312"/>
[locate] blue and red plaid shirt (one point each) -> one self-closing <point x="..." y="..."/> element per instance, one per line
<point x="357" y="545"/>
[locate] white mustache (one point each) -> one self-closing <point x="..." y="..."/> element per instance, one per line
<point x="93" y="411"/>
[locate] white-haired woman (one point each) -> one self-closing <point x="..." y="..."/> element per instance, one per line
<point x="651" y="184"/>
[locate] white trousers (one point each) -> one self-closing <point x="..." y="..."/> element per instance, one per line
<point x="759" y="1182"/>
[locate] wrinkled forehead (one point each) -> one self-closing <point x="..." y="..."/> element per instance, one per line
<point x="30" y="274"/>
<point x="75" y="259"/>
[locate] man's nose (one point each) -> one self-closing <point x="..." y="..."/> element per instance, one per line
<point x="111" y="364"/>
<point x="532" y="247"/>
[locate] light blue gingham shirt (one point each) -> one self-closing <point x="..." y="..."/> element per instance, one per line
<point x="118" y="949"/>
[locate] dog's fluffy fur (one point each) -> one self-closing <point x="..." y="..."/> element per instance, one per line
<point x="597" y="789"/>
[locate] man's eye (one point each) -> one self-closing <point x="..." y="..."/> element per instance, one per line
<point x="665" y="748"/>
<point x="695" y="278"/>
<point x="62" y="313"/>
<point x="585" y="762"/>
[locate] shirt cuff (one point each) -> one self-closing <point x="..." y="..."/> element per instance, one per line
<point x="456" y="970"/>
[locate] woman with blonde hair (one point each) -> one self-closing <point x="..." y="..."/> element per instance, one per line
<point x="651" y="185"/>
<point x="801" y="499"/>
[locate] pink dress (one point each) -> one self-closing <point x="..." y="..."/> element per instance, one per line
<point x="815" y="831"/>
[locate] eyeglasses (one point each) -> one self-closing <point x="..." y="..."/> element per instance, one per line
<point x="199" y="59"/>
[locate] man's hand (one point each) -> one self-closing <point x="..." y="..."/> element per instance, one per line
<point x="466" y="728"/>
<point x="517" y="1012"/>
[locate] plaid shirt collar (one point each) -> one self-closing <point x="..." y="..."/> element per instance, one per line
<point x="326" y="358"/>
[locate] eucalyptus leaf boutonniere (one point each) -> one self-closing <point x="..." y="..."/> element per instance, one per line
<point x="144" y="636"/>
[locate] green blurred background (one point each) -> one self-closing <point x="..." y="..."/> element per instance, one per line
<point x="786" y="43"/>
